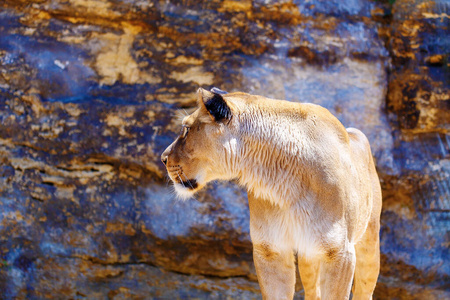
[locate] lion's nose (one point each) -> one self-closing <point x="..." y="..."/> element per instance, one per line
<point x="164" y="159"/>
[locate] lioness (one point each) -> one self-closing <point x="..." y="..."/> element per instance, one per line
<point x="312" y="189"/>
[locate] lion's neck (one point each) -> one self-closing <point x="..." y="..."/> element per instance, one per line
<point x="270" y="151"/>
<point x="271" y="175"/>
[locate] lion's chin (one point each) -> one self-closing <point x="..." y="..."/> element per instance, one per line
<point x="183" y="192"/>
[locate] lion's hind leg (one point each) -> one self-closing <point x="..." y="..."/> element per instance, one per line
<point x="367" y="262"/>
<point x="368" y="248"/>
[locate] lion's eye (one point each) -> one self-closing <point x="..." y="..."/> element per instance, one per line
<point x="184" y="131"/>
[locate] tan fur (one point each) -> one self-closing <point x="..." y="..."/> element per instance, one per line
<point x="312" y="187"/>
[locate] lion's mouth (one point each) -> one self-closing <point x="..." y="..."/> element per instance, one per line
<point x="178" y="177"/>
<point x="184" y="187"/>
<point x="190" y="184"/>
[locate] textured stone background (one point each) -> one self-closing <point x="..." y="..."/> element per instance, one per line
<point x="92" y="91"/>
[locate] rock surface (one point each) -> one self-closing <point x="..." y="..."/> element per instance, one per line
<point x="91" y="92"/>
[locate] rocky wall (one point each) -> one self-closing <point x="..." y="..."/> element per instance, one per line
<point x="92" y="91"/>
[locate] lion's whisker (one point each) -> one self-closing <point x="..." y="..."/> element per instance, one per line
<point x="188" y="181"/>
<point x="181" y="180"/>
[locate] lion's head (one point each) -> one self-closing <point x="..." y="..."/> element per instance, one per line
<point x="205" y="148"/>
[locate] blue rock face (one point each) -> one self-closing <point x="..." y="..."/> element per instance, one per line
<point x="91" y="93"/>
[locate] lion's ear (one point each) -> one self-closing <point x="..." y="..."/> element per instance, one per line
<point x="214" y="103"/>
